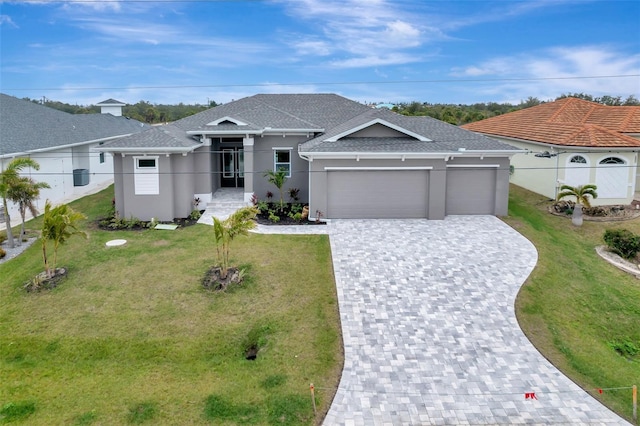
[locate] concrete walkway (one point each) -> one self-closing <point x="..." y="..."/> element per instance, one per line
<point x="430" y="334"/>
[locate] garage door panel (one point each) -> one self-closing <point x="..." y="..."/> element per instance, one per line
<point x="612" y="181"/>
<point x="471" y="191"/>
<point x="377" y="194"/>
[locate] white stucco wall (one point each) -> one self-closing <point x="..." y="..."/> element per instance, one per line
<point x="545" y="175"/>
<point x="56" y="169"/>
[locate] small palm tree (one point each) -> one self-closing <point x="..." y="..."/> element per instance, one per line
<point x="278" y="178"/>
<point x="581" y="192"/>
<point x="59" y="224"/>
<point x="239" y="223"/>
<point x="10" y="177"/>
<point x="24" y="193"/>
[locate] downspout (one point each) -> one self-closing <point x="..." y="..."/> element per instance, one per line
<point x="555" y="196"/>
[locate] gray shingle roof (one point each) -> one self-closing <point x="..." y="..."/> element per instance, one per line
<point x="281" y="111"/>
<point x="329" y="114"/>
<point x="111" y="101"/>
<point x="444" y="137"/>
<point x="166" y="136"/>
<point x="26" y="126"/>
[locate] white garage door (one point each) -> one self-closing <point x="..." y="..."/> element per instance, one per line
<point x="377" y="194"/>
<point x="471" y="191"/>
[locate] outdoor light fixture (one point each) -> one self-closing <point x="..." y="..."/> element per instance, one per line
<point x="545" y="154"/>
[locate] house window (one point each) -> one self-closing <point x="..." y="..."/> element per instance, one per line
<point x="146" y="163"/>
<point x="146" y="176"/>
<point x="282" y="160"/>
<point x="101" y="157"/>
<point x="612" y="160"/>
<point x="578" y="159"/>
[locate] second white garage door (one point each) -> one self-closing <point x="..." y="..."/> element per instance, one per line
<point x="377" y="194"/>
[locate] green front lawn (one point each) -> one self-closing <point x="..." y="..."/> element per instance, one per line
<point x="131" y="336"/>
<point x="578" y="310"/>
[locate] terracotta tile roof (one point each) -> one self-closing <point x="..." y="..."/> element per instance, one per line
<point x="569" y="122"/>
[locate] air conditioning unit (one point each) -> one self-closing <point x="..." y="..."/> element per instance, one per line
<point x="80" y="177"/>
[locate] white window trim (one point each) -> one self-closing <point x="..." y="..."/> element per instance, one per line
<point x="275" y="158"/>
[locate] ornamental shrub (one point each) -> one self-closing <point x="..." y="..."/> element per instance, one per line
<point x="622" y="242"/>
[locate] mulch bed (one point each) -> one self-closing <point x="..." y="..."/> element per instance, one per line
<point x="611" y="213"/>
<point x="42" y="281"/>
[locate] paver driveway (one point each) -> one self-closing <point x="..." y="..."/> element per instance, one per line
<point x="430" y="334"/>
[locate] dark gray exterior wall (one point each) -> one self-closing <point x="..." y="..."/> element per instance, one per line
<point x="377" y="131"/>
<point x="184" y="179"/>
<point x="437" y="195"/>
<point x="119" y="183"/>
<point x="202" y="162"/>
<point x="263" y="160"/>
<point x="144" y="207"/>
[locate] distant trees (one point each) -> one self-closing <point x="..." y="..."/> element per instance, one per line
<point x="459" y="114"/>
<point x="142" y="110"/>
<point x="456" y="114"/>
<point x="631" y="100"/>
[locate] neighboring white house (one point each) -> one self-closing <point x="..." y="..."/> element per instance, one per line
<point x="63" y="144"/>
<point x="574" y="142"/>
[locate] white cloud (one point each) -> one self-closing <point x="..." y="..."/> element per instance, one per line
<point x="312" y="47"/>
<point x="353" y="30"/>
<point x="6" y="20"/>
<point x="375" y="60"/>
<point x="546" y="74"/>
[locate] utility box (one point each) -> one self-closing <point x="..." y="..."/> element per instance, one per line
<point x="80" y="177"/>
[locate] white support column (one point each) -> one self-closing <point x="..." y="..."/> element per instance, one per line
<point x="247" y="144"/>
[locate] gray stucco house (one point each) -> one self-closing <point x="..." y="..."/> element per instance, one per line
<point x="347" y="159"/>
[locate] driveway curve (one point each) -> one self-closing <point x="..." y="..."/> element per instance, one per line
<point x="429" y="329"/>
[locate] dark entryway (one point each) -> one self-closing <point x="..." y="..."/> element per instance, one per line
<point x="232" y="160"/>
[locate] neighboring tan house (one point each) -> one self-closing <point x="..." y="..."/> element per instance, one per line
<point x="62" y="144"/>
<point x="348" y="160"/>
<point x="573" y="142"/>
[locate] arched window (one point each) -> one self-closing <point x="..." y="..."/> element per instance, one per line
<point x="612" y="160"/>
<point x="578" y="159"/>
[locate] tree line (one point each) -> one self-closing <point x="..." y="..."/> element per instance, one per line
<point x="457" y="114"/>
<point x="143" y="111"/>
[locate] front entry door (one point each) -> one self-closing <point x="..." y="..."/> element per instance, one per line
<point x="232" y="168"/>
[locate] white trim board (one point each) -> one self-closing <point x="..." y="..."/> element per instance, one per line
<point x="379" y="168"/>
<point x="474" y="166"/>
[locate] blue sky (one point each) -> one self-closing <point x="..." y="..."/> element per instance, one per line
<point x="368" y="50"/>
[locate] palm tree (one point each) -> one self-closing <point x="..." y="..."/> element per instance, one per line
<point x="9" y="177"/>
<point x="59" y="224"/>
<point x="581" y="192"/>
<point x="277" y="178"/>
<point x="24" y="193"/>
<point x="238" y="223"/>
